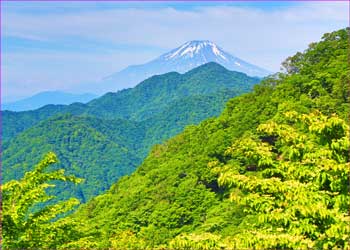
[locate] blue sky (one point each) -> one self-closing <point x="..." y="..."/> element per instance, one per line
<point x="59" y="45"/>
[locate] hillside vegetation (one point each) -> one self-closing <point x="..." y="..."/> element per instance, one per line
<point x="110" y="136"/>
<point x="271" y="171"/>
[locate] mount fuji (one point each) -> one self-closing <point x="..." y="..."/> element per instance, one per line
<point x="182" y="59"/>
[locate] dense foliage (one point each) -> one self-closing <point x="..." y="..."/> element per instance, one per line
<point x="108" y="137"/>
<point x="86" y="148"/>
<point x="271" y="171"/>
<point x="296" y="195"/>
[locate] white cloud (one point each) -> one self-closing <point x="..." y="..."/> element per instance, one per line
<point x="160" y="27"/>
<point x="262" y="37"/>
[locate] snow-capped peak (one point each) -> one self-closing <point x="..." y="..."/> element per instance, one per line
<point x="184" y="58"/>
<point x="190" y="49"/>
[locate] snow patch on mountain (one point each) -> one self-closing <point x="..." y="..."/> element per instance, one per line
<point x="182" y="59"/>
<point x="189" y="49"/>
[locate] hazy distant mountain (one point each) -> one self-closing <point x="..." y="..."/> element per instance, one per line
<point x="182" y="59"/>
<point x="47" y="97"/>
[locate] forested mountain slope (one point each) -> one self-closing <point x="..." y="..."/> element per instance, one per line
<point x="96" y="150"/>
<point x="154" y="95"/>
<point x="108" y="137"/>
<point x="147" y="99"/>
<point x="270" y="172"/>
<point x="16" y="122"/>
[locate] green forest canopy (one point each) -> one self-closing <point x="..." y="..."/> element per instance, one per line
<point x="272" y="171"/>
<point x="111" y="135"/>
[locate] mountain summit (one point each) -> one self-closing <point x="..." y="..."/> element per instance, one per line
<point x="195" y="53"/>
<point x="196" y="48"/>
<point x="182" y="59"/>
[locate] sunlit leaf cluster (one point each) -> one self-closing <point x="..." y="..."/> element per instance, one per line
<point x="303" y="190"/>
